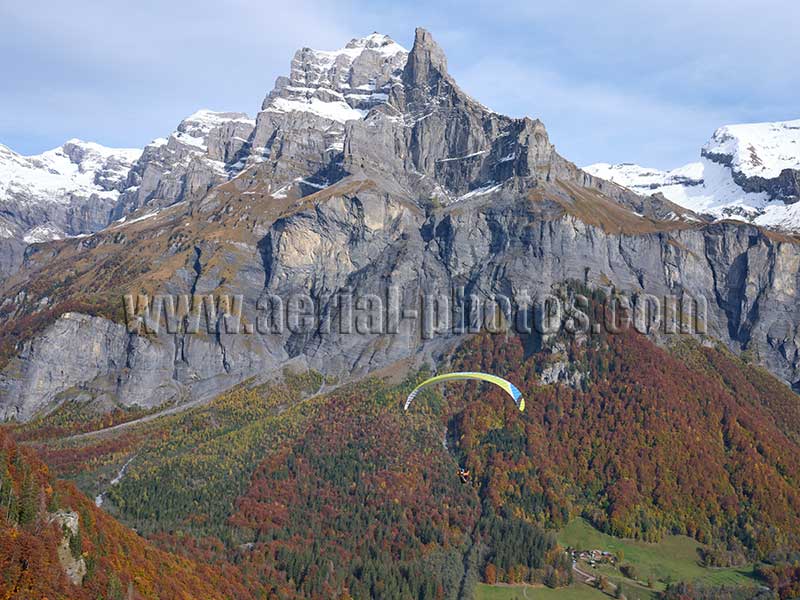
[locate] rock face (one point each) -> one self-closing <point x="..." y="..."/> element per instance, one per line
<point x="509" y="248"/>
<point x="74" y="567"/>
<point x="205" y="150"/>
<point x="341" y="84"/>
<point x="300" y="130"/>
<point x="85" y="358"/>
<point x="421" y="192"/>
<point x="749" y="172"/>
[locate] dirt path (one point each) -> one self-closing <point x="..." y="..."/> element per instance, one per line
<point x="525" y="587"/>
<point x="162" y="413"/>
<point x="172" y="410"/>
<point x="587" y="577"/>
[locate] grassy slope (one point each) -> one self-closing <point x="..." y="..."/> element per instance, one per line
<point x="578" y="591"/>
<point x="674" y="558"/>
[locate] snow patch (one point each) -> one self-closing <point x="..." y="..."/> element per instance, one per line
<point x="6" y="232"/>
<point x="43" y="233"/>
<point x="452" y="158"/>
<point x="195" y="129"/>
<point x="129" y="221"/>
<point x="319" y="186"/>
<point x="481" y="191"/>
<point x="338" y="111"/>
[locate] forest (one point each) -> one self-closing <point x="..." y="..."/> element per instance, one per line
<point x="343" y="495"/>
<point x="117" y="564"/>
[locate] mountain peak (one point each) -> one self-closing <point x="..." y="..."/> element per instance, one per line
<point x="339" y="85"/>
<point x="427" y="62"/>
<point x="375" y="41"/>
<point x="199" y="124"/>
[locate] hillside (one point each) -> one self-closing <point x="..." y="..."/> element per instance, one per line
<point x="332" y="493"/>
<point x="54" y="543"/>
<point x="646" y="445"/>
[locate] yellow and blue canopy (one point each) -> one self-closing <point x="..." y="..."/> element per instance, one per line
<point x="506" y="385"/>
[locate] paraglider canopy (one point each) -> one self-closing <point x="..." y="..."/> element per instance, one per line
<point x="506" y="385"/>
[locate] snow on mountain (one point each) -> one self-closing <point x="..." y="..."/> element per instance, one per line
<point x="7" y="229"/>
<point x="195" y="130"/>
<point x="69" y="190"/>
<point x="207" y="148"/>
<point x="747" y="172"/>
<point x="648" y="180"/>
<point x="323" y="91"/>
<point x="343" y="84"/>
<point x="64" y="191"/>
<point x="43" y="233"/>
<point x="704" y="187"/>
<point x="76" y="168"/>
<point x="337" y="110"/>
<point x="757" y="149"/>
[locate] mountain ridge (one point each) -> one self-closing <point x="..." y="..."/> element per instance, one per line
<point x="430" y="190"/>
<point x="69" y="190"/>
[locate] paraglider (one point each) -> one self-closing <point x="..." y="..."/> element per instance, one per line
<point x="506" y="385"/>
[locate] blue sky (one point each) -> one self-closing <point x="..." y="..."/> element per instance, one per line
<point x="613" y="81"/>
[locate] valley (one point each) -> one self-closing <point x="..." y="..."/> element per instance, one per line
<point x="203" y="481"/>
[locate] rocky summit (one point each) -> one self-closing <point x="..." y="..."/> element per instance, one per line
<point x="367" y="169"/>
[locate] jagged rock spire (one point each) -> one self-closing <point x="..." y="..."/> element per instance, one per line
<point x="427" y="63"/>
